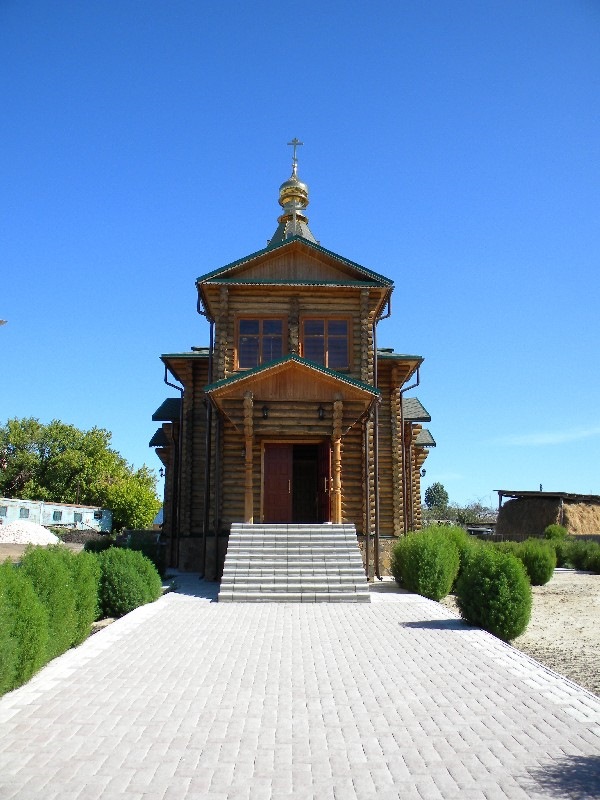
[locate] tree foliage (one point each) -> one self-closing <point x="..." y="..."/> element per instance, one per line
<point x="59" y="463"/>
<point x="436" y="496"/>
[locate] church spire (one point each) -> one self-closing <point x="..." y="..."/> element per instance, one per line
<point x="293" y="198"/>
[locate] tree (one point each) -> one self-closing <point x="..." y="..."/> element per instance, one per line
<point x="436" y="497"/>
<point x="62" y="464"/>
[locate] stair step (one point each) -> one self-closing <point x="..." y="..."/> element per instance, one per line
<point x="293" y="564"/>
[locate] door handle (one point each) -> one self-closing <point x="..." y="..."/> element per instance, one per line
<point x="289" y="486"/>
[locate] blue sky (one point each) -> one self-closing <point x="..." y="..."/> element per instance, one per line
<point x="452" y="146"/>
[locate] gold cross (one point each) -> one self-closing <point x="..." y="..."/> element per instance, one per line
<point x="295" y="143"/>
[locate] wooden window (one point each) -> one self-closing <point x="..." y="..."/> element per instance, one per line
<point x="326" y="342"/>
<point x="259" y="341"/>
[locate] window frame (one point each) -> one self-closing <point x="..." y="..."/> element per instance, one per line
<point x="326" y="320"/>
<point x="260" y="319"/>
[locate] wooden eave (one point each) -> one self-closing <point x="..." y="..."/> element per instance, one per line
<point x="402" y="367"/>
<point x="338" y="273"/>
<point x="178" y="363"/>
<point x="293" y="380"/>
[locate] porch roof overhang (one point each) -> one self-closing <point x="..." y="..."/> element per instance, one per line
<point x="294" y="379"/>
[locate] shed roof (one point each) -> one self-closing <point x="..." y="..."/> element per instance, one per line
<point x="168" y="411"/>
<point x="521" y="495"/>
<point x="413" y="411"/>
<point x="159" y="439"/>
<point x="425" y="439"/>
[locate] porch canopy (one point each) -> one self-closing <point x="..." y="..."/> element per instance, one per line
<point x="291" y="382"/>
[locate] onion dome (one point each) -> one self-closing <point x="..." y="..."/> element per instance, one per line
<point x="293" y="198"/>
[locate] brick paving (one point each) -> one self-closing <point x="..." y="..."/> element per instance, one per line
<point x="188" y="698"/>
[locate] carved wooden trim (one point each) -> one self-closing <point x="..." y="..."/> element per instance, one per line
<point x="248" y="442"/>
<point x="294" y="326"/>
<point x="336" y="481"/>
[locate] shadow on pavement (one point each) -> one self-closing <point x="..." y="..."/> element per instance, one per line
<point x="436" y="624"/>
<point x="572" y="777"/>
<point x="192" y="585"/>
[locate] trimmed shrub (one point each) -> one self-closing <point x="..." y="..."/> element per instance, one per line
<point x="539" y="558"/>
<point x="555" y="532"/>
<point x="426" y="562"/>
<point x="592" y="562"/>
<point x="494" y="593"/>
<point x="579" y="552"/>
<point x="85" y="575"/>
<point x="148" y="544"/>
<point x="127" y="580"/>
<point x="561" y="548"/>
<point x="47" y="570"/>
<point x="98" y="545"/>
<point x="24" y="626"/>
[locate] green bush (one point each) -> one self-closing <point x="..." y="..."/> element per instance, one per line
<point x="561" y="548"/>
<point x="23" y="626"/>
<point x="147" y="544"/>
<point x="579" y="552"/>
<point x="582" y="554"/>
<point x="85" y="575"/>
<point x="539" y="558"/>
<point x="127" y="580"/>
<point x="555" y="532"/>
<point x="592" y="562"/>
<point x="494" y="593"/>
<point x="426" y="562"/>
<point x="51" y="578"/>
<point x="98" y="545"/>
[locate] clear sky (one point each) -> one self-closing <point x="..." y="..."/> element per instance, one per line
<point x="453" y="146"/>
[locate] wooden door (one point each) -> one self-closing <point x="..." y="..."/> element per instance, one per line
<point x="324" y="482"/>
<point x="277" y="482"/>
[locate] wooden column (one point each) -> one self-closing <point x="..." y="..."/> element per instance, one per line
<point x="336" y="483"/>
<point x="248" y="442"/>
<point x="396" y="418"/>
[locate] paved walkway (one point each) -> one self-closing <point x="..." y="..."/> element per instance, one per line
<point x="188" y="698"/>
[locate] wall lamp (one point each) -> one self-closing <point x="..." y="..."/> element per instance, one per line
<point x="161" y="472"/>
<point x="423" y="473"/>
<point x="265" y="412"/>
<point x="321" y="412"/>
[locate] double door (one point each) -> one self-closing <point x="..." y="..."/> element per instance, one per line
<point x="296" y="482"/>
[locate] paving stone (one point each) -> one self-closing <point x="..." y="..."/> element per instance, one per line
<point x="189" y="698"/>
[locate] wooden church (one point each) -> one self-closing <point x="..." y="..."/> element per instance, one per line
<point x="292" y="414"/>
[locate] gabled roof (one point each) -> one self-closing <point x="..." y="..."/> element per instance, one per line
<point x="236" y="267"/>
<point x="413" y="411"/>
<point x="292" y="358"/>
<point x="424" y="439"/>
<point x="168" y="411"/>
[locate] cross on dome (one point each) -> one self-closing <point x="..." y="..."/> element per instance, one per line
<point x="295" y="143"/>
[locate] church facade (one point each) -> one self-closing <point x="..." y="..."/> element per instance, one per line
<point x="291" y="414"/>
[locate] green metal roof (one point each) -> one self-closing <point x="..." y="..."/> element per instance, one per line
<point x="159" y="439"/>
<point x="425" y="439"/>
<point x="372" y="276"/>
<point x="168" y="411"/>
<point x="413" y="411"/>
<point x="387" y="352"/>
<point x="298" y="360"/>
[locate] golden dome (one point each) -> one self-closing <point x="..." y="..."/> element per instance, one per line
<point x="293" y="190"/>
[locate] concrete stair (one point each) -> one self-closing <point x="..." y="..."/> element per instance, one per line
<point x="293" y="564"/>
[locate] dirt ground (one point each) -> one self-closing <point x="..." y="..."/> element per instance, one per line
<point x="564" y="631"/>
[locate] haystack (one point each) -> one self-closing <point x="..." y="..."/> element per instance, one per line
<point x="527" y="516"/>
<point x="530" y="513"/>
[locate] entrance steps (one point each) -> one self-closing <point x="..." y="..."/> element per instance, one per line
<point x="293" y="564"/>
